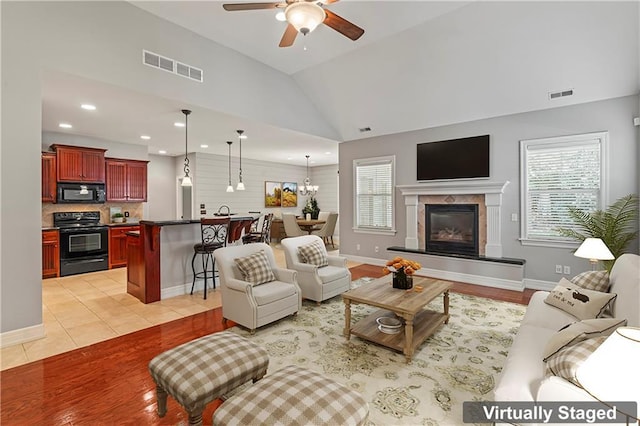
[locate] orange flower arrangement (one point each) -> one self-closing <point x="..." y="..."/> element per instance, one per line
<point x="398" y="263"/>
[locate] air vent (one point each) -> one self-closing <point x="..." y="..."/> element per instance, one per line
<point x="364" y="129"/>
<point x="172" y="66"/>
<point x="560" y="94"/>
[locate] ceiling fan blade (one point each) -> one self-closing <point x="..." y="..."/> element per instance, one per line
<point x="342" y="26"/>
<point x="289" y="36"/>
<point x="232" y="7"/>
<point x="329" y="1"/>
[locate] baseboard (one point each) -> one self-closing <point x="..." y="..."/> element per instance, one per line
<point x="22" y="335"/>
<point x="539" y="284"/>
<point x="180" y="290"/>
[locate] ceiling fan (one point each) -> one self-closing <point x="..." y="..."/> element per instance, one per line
<point x="303" y="16"/>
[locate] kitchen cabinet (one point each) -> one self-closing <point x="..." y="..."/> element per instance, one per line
<point x="48" y="177"/>
<point x="77" y="164"/>
<point x="118" y="245"/>
<point x="126" y="180"/>
<point x="50" y="254"/>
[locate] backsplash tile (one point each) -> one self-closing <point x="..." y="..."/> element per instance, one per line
<point x="134" y="209"/>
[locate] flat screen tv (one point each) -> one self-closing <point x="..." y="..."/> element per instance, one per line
<point x="463" y="158"/>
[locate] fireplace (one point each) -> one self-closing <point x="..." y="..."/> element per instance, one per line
<point x="451" y="228"/>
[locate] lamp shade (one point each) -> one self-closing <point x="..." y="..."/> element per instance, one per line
<point x="304" y="16"/>
<point x="611" y="372"/>
<point x="594" y="249"/>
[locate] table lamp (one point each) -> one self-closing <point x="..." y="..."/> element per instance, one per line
<point x="611" y="373"/>
<point x="594" y="249"/>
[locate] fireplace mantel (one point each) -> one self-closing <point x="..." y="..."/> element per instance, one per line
<point x="492" y="197"/>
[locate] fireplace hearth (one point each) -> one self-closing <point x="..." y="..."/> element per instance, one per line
<point x="451" y="229"/>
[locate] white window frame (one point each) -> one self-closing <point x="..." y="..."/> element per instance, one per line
<point x="391" y="159"/>
<point x="559" y="142"/>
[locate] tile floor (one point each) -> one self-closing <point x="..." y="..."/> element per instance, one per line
<point x="81" y="310"/>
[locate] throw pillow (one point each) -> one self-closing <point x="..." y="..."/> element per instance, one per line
<point x="313" y="254"/>
<point x="255" y="268"/>
<point x="581" y="303"/>
<point x="592" y="280"/>
<point x="566" y="362"/>
<point x="579" y="331"/>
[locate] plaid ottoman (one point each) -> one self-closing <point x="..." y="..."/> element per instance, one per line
<point x="204" y="369"/>
<point x="294" y="396"/>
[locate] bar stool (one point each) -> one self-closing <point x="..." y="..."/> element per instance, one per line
<point x="214" y="234"/>
<point x="264" y="235"/>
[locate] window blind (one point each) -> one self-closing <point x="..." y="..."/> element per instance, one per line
<point x="559" y="176"/>
<point x="374" y="194"/>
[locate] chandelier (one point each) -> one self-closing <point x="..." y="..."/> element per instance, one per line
<point x="306" y="188"/>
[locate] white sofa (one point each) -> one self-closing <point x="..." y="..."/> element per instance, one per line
<point x="523" y="376"/>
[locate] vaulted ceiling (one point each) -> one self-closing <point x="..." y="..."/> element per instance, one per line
<point x="419" y="64"/>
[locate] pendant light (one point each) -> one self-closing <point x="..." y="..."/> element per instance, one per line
<point x="230" y="187"/>
<point x="307" y="188"/>
<point x="240" y="186"/>
<point x="186" y="180"/>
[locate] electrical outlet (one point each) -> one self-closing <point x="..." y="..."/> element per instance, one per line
<point x="377" y="249"/>
<point x="567" y="270"/>
<point x="358" y="247"/>
<point x="558" y="269"/>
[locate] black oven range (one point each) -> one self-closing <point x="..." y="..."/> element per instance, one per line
<point x="83" y="242"/>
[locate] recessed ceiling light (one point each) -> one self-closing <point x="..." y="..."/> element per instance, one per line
<point x="88" y="107"/>
<point x="328" y="153"/>
<point x="289" y="158"/>
<point x="145" y="137"/>
<point x="281" y="17"/>
<point x="204" y="146"/>
<point x="177" y="124"/>
<point x="162" y="151"/>
<point x="65" y="125"/>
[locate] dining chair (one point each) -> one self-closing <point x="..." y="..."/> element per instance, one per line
<point x="262" y="236"/>
<point x="291" y="227"/>
<point x="327" y="230"/>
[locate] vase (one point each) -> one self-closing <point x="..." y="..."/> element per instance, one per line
<point x="401" y="280"/>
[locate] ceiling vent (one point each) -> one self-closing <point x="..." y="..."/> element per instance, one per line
<point x="172" y="66"/>
<point x="560" y="94"/>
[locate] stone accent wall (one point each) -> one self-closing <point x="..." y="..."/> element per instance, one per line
<point x="454" y="199"/>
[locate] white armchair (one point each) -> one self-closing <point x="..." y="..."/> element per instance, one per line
<point x="317" y="283"/>
<point x="252" y="305"/>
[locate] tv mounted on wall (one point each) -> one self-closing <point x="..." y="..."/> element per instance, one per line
<point x="463" y="158"/>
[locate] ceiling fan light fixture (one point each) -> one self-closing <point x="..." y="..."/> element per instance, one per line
<point x="304" y="16"/>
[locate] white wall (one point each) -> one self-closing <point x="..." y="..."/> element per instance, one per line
<point x="161" y="188"/>
<point x="615" y="116"/>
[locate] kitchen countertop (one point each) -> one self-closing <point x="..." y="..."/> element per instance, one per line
<point x="123" y="224"/>
<point x="234" y="217"/>
<point x="50" y="228"/>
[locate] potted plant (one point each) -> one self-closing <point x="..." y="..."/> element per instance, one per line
<point x="615" y="226"/>
<point x="117" y="218"/>
<point x="312" y="208"/>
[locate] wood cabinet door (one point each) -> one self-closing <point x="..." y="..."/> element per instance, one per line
<point x="137" y="181"/>
<point x="116" y="174"/>
<point x="118" y="245"/>
<point x="69" y="165"/>
<point x="48" y="177"/>
<point x="50" y="254"/>
<point x="93" y="166"/>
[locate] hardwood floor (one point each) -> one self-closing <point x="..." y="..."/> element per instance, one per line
<point x="109" y="383"/>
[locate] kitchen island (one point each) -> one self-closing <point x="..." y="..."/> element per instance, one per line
<point x="159" y="255"/>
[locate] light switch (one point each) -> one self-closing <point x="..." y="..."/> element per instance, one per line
<point x="514" y="217"/>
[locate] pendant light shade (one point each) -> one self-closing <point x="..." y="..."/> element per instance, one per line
<point x="229" y="187"/>
<point x="240" y="186"/>
<point x="186" y="180"/>
<point x="306" y="188"/>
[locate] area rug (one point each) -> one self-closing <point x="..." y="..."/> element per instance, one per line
<point x="460" y="362"/>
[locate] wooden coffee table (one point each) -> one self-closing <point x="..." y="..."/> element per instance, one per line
<point x="420" y="323"/>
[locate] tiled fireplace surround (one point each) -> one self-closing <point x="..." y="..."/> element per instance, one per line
<point x="490" y="268"/>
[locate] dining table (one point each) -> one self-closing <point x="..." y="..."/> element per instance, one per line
<point x="309" y="225"/>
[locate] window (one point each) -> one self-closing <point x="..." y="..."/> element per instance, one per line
<point x="374" y="183"/>
<point x="558" y="173"/>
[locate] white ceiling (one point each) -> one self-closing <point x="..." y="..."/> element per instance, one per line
<point x="419" y="64"/>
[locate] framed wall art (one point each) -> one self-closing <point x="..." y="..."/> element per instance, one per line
<point x="289" y="194"/>
<point x="272" y="194"/>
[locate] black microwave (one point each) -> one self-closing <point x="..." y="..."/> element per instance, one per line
<point x="81" y="193"/>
